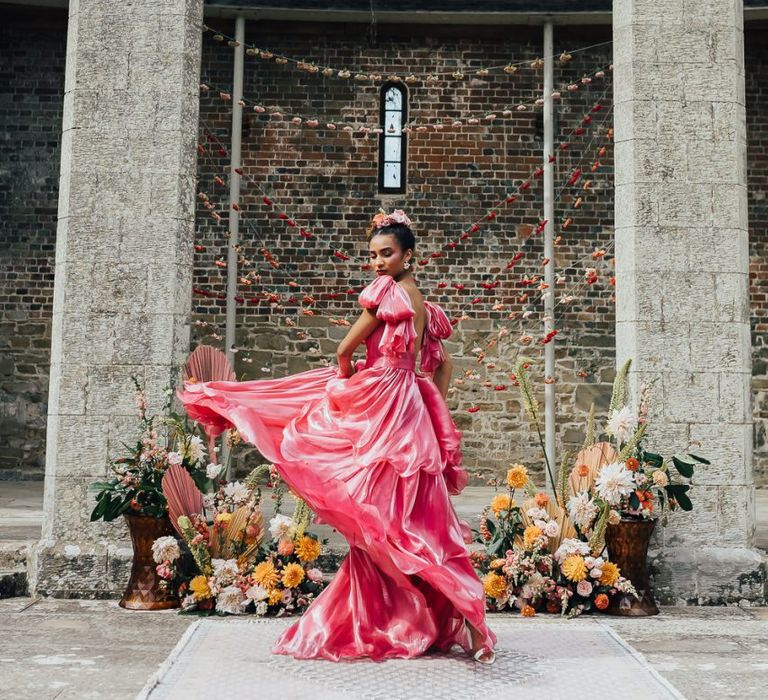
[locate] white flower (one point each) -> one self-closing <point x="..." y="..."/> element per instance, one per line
<point x="225" y="570"/>
<point x="613" y="482"/>
<point x="257" y="593"/>
<point x="174" y="458"/>
<point x="622" y="424"/>
<point x="660" y="478"/>
<point x="614" y="517"/>
<point x="552" y="528"/>
<point x="209" y="501"/>
<point x="230" y="600"/>
<point x="213" y="470"/>
<point x="165" y="549"/>
<point x="571" y="546"/>
<point x="237" y="491"/>
<point x="261" y="608"/>
<point x="541" y="524"/>
<point x="537" y="514"/>
<point x="188" y="602"/>
<point x="640" y="479"/>
<point x="195" y="451"/>
<point x="281" y="526"/>
<point x="582" y="509"/>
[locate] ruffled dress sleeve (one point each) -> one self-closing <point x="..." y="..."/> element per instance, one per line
<point x="438" y="329"/>
<point x="393" y="306"/>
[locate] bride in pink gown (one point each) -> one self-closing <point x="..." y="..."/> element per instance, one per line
<point x="373" y="451"/>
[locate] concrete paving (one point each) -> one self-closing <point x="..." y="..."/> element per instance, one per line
<point x="88" y="650"/>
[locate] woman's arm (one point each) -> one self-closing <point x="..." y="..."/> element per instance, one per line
<point x="442" y="375"/>
<point x="360" y="330"/>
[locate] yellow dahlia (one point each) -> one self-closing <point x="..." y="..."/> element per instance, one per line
<point x="293" y="575"/>
<point x="517" y="477"/>
<point x="265" y="574"/>
<point x="500" y="502"/>
<point x="307" y="549"/>
<point x="610" y="573"/>
<point x="275" y="596"/>
<point x="495" y="586"/>
<point x="199" y="588"/>
<point x="574" y="568"/>
<point x="531" y="534"/>
<point x="223" y="518"/>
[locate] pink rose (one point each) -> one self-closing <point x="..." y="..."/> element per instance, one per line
<point x="584" y="588"/>
<point x="315" y="575"/>
<point x="164" y="571"/>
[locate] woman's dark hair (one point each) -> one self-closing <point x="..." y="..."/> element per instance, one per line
<point x="403" y="233"/>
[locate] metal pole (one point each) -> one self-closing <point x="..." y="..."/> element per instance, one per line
<point x="234" y="196"/>
<point x="549" y="247"/>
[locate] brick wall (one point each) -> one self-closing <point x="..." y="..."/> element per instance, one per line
<point x="32" y="50"/>
<point x="331" y="181"/>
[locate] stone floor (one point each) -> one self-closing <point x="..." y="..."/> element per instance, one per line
<point x="88" y="650"/>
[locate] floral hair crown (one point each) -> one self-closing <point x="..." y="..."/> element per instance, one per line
<point x="381" y="218"/>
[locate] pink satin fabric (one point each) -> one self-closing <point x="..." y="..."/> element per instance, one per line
<point x="375" y="456"/>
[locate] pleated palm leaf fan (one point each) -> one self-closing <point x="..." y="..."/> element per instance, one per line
<point x="589" y="461"/>
<point x="208" y="364"/>
<point x="182" y="494"/>
<point x="556" y="513"/>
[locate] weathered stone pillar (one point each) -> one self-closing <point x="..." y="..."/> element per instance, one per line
<point x="682" y="275"/>
<point x="122" y="289"/>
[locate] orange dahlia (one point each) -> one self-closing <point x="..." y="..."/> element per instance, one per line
<point x="517" y="477"/>
<point x="610" y="573"/>
<point x="528" y="611"/>
<point x="601" y="601"/>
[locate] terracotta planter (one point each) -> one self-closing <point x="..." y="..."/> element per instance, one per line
<point x="628" y="549"/>
<point x="143" y="591"/>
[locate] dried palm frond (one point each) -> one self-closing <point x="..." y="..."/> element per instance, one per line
<point x="619" y="394"/>
<point x="182" y="494"/>
<point x="208" y="364"/>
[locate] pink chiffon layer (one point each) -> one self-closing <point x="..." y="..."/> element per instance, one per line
<point x="375" y="456"/>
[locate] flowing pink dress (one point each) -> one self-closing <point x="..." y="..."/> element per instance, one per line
<point x="375" y="456"/>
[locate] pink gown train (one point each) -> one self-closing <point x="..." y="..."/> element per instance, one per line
<point x="375" y="456"/>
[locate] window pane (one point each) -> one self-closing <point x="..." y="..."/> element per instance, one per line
<point x="392" y="149"/>
<point x="392" y="122"/>
<point x="391" y="174"/>
<point x="393" y="99"/>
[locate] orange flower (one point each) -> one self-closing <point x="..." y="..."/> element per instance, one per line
<point x="646" y="499"/>
<point x="528" y="611"/>
<point x="632" y="464"/>
<point x="601" y="601"/>
<point x="610" y="573"/>
<point x="517" y="476"/>
<point x="582" y="470"/>
<point x="541" y="499"/>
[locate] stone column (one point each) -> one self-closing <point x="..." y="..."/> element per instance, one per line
<point x="122" y="290"/>
<point x="682" y="276"/>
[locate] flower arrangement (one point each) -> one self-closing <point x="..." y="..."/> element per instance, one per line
<point x="137" y="483"/>
<point x="534" y="559"/>
<point x="618" y="478"/>
<point x="229" y="568"/>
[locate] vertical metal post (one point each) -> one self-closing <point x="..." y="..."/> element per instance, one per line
<point x="234" y="196"/>
<point x="549" y="247"/>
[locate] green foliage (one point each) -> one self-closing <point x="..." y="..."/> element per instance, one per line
<point x="590" y="438"/>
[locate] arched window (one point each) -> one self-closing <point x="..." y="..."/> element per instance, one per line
<point x="392" y="145"/>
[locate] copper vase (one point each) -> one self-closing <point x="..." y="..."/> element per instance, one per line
<point x="627" y="543"/>
<point x="143" y="591"/>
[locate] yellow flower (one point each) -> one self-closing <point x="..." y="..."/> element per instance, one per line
<point x="574" y="568"/>
<point x="265" y="574"/>
<point x="610" y="573"/>
<point x="275" y="596"/>
<point x="307" y="549"/>
<point x="293" y="575"/>
<point x="495" y="586"/>
<point x="517" y="477"/>
<point x="498" y="563"/>
<point x="502" y="501"/>
<point x="199" y="587"/>
<point x="531" y="534"/>
<point x="223" y="518"/>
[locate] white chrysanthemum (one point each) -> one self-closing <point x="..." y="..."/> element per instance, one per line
<point x="571" y="546"/>
<point x="281" y="526"/>
<point x="614" y="481"/>
<point x="622" y="424"/>
<point x="230" y="600"/>
<point x="238" y="492"/>
<point x="257" y="593"/>
<point x="225" y="570"/>
<point x="195" y="452"/>
<point x="582" y="509"/>
<point x="213" y="470"/>
<point x="165" y="549"/>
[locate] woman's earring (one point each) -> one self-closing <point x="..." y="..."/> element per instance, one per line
<point x="406" y="265"/>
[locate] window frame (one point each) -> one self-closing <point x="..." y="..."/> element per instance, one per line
<point x="403" y="137"/>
